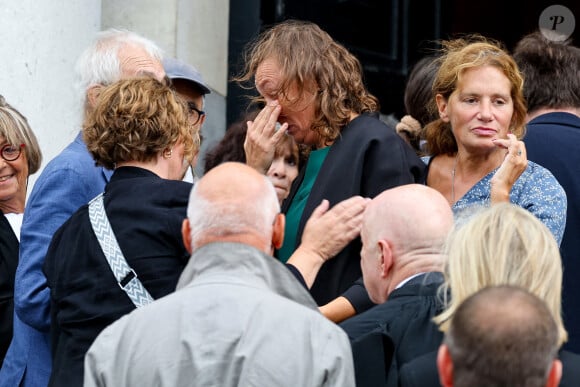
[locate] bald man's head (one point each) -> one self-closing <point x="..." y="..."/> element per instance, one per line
<point x="411" y="222"/>
<point x="500" y="336"/>
<point x="411" y="216"/>
<point x="232" y="201"/>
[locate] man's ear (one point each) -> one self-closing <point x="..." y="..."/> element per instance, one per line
<point x="442" y="107"/>
<point x="445" y="366"/>
<point x="93" y="93"/>
<point x="186" y="234"/>
<point x="386" y="257"/>
<point x="278" y="231"/>
<point x="555" y="374"/>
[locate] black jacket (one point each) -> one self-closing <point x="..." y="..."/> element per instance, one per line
<point x="146" y="214"/>
<point x="8" y="263"/>
<point x="367" y="158"/>
<point x="406" y="317"/>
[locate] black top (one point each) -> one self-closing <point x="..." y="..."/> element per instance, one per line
<point x="367" y="158"/>
<point x="8" y="263"/>
<point x="146" y="214"/>
<point x="407" y="318"/>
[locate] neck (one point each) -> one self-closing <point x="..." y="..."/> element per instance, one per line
<point x="538" y="112"/>
<point x="415" y="264"/>
<point x="246" y="238"/>
<point x="153" y="165"/>
<point x="14" y="205"/>
<point x="477" y="165"/>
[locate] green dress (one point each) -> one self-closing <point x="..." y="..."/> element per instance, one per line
<point x="294" y="213"/>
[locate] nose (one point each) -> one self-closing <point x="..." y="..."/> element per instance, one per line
<point x="277" y="169"/>
<point x="485" y="111"/>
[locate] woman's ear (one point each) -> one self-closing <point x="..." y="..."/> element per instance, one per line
<point x="442" y="107"/>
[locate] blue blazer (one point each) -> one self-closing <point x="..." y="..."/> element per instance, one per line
<point x="552" y="140"/>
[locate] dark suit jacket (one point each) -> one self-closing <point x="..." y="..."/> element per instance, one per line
<point x="8" y="264"/>
<point x="552" y="141"/>
<point x="366" y="159"/>
<point x="407" y="318"/>
<point x="422" y="372"/>
<point x="146" y="213"/>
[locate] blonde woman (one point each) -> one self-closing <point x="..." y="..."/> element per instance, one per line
<point x="501" y="245"/>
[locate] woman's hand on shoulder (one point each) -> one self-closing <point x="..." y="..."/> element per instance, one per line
<point x="329" y="231"/>
<point x="326" y="233"/>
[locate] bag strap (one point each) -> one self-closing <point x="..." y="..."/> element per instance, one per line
<point x="124" y="274"/>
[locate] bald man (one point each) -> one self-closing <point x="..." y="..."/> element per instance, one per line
<point x="238" y="317"/>
<point x="501" y="336"/>
<point x="403" y="233"/>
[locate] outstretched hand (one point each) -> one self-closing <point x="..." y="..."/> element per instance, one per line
<point x="512" y="167"/>
<point x="262" y="137"/>
<point x="326" y="233"/>
<point x="329" y="231"/>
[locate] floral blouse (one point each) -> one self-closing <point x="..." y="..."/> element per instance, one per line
<point x="536" y="190"/>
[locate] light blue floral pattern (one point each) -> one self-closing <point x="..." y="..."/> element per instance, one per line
<point x="537" y="190"/>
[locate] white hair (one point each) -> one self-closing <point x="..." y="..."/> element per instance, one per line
<point x="99" y="63"/>
<point x="233" y="216"/>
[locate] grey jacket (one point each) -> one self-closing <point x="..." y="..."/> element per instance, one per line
<point x="238" y="318"/>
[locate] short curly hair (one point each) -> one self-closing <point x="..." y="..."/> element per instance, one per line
<point x="135" y="120"/>
<point x="308" y="55"/>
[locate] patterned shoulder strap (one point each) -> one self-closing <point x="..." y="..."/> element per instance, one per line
<point x="124" y="274"/>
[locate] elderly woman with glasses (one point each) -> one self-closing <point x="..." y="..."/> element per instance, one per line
<point x="20" y="157"/>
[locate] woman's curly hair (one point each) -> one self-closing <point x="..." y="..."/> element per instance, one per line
<point x="313" y="62"/>
<point x="135" y="120"/>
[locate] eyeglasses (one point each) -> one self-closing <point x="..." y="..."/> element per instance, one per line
<point x="196" y="114"/>
<point x="11" y="152"/>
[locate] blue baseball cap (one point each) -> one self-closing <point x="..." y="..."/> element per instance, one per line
<point x="177" y="69"/>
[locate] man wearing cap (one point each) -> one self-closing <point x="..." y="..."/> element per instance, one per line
<point x="189" y="84"/>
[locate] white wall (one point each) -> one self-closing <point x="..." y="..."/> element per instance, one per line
<point x="195" y="31"/>
<point x="42" y="39"/>
<point x="40" y="43"/>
